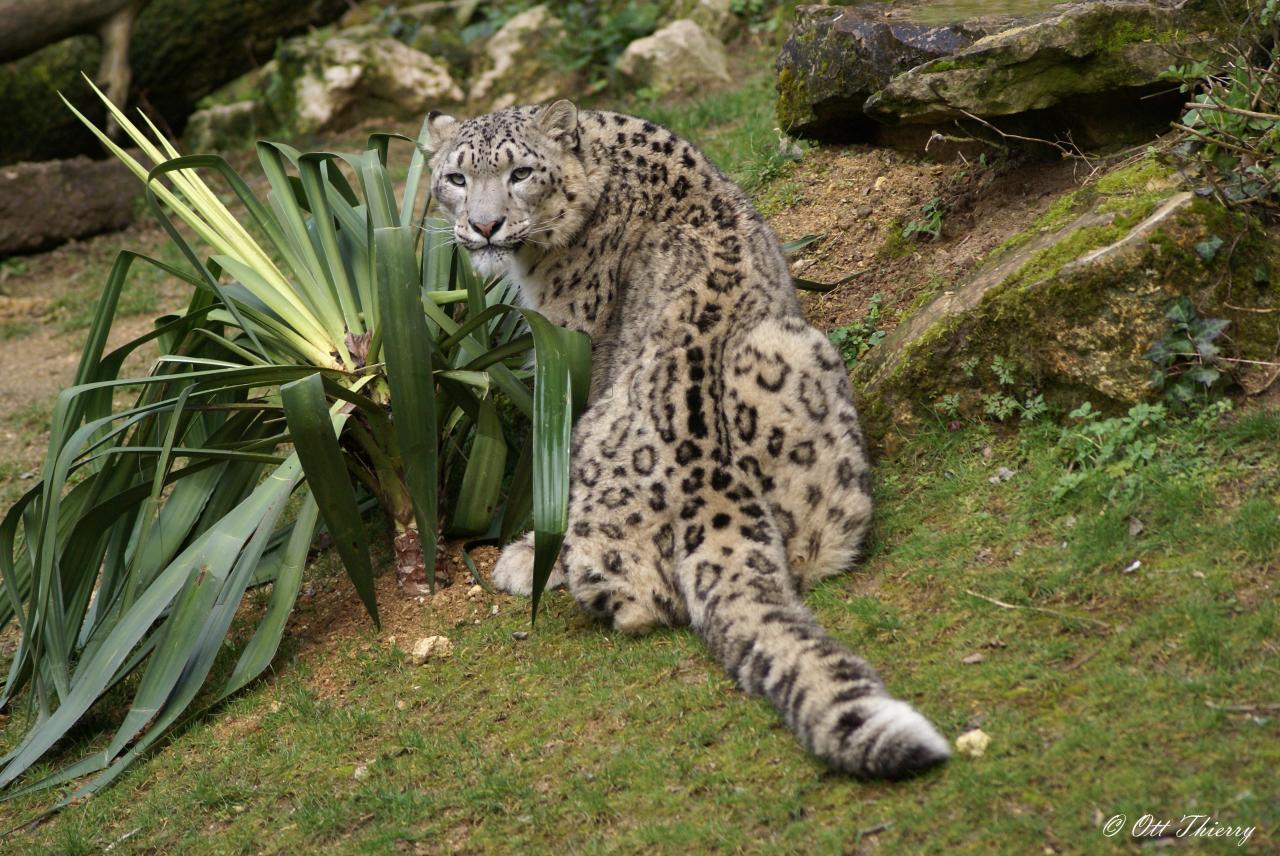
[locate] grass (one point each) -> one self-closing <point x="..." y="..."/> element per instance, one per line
<point x="149" y="288"/>
<point x="1104" y="692"/>
<point x="735" y="127"/>
<point x="75" y="306"/>
<point x="16" y="329"/>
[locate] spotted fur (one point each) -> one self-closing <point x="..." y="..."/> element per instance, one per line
<point x="719" y="470"/>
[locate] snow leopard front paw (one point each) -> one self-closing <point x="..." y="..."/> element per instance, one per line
<point x="514" y="571"/>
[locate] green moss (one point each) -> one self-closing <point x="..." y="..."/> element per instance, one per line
<point x="1126" y="33"/>
<point x="897" y="245"/>
<point x="1049" y="261"/>
<point x="1136" y="177"/>
<point x="940" y="66"/>
<point x="793" y="99"/>
<point x="1063" y="210"/>
<point x="931" y="289"/>
<point x="36" y="126"/>
<point x="1136" y="188"/>
<point x="247" y="87"/>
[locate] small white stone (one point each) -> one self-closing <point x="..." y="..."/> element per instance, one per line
<point x="475" y="592"/>
<point x="430" y="648"/>
<point x="361" y="772"/>
<point x="973" y="743"/>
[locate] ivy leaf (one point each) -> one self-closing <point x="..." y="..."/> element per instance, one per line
<point x="1208" y="248"/>
<point x="1204" y="375"/>
<point x="1208" y="329"/>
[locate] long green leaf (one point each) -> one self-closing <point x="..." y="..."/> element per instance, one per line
<point x="262" y="647"/>
<point x="312" y="428"/>
<point x="560" y="356"/>
<point x="407" y="351"/>
<point x="482" y="479"/>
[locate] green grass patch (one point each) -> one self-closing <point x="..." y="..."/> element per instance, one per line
<point x="735" y="127"/>
<point x="16" y="330"/>
<point x="1106" y="688"/>
<point x="76" y="303"/>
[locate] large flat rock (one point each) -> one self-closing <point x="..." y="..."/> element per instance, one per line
<point x="1075" y="303"/>
<point x="1092" y="69"/>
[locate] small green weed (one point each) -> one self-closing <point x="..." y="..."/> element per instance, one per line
<point x="1110" y="453"/>
<point x="1011" y="397"/>
<point x="854" y="340"/>
<point x="929" y="224"/>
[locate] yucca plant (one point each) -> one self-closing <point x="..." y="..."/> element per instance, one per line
<point x="337" y="354"/>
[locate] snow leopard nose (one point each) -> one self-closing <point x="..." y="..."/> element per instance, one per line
<point x="487" y="229"/>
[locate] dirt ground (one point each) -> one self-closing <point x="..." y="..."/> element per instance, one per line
<point x="858" y="200"/>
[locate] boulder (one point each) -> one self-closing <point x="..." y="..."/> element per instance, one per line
<point x="322" y="83"/>
<point x="714" y="16"/>
<point x="1089" y="69"/>
<point x="223" y="127"/>
<point x="1091" y="50"/>
<point x="1077" y="301"/>
<point x="179" y="52"/>
<point x="515" y="68"/>
<point x="48" y="203"/>
<point x="839" y="56"/>
<point x="680" y="56"/>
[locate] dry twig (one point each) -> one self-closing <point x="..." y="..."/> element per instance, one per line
<point x="1053" y="612"/>
<point x="1068" y="149"/>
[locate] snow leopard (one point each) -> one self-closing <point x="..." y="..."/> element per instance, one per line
<point x="719" y="470"/>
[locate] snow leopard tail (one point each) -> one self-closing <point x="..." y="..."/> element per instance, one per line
<point x="831" y="699"/>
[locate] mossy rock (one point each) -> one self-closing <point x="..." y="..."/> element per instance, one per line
<point x="893" y="73"/>
<point x="180" y="52"/>
<point x="837" y="57"/>
<point x="325" y="81"/>
<point x="1089" y="50"/>
<point x="36" y="125"/>
<point x="517" y="68"/>
<point x="1076" y="301"/>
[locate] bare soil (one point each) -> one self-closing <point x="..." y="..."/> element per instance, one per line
<point x="858" y="199"/>
<point x="329" y="618"/>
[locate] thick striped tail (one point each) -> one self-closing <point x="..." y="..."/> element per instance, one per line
<point x="832" y="700"/>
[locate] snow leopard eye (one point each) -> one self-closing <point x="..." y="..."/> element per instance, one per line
<point x="521" y="174"/>
<point x="457" y="179"/>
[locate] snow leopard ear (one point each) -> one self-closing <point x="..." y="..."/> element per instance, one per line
<point x="559" y="121"/>
<point x="441" y="128"/>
